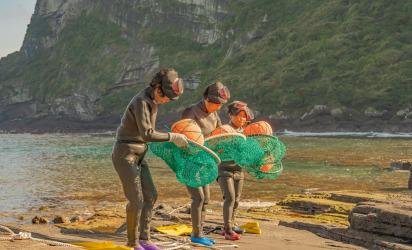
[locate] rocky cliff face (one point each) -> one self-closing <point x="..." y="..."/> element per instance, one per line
<point x="82" y="60"/>
<point x="134" y="64"/>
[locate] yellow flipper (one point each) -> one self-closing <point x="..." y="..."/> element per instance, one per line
<point x="103" y="245"/>
<point x="176" y="229"/>
<point x="252" y="228"/>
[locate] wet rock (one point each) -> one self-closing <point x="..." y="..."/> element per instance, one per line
<point x="352" y="197"/>
<point x="408" y="116"/>
<point x="393" y="219"/>
<point x="373" y="113"/>
<point x="312" y="204"/>
<point x="163" y="206"/>
<point x="43" y="208"/>
<point x="410" y="180"/>
<point x="58" y="219"/>
<point x="402" y="113"/>
<point x="337" y="112"/>
<point x="39" y="220"/>
<point x="347" y="235"/>
<point x="401" y="165"/>
<point x="76" y="218"/>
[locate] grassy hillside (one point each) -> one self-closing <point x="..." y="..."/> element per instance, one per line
<point x="285" y="55"/>
<point x="340" y="53"/>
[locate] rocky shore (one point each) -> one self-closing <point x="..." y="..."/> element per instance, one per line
<point x="309" y="122"/>
<point x="339" y="220"/>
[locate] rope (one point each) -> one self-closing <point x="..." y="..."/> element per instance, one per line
<point x="169" y="245"/>
<point x="55" y="243"/>
<point x="7" y="229"/>
<point x="27" y="236"/>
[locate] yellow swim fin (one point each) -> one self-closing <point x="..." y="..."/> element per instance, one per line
<point x="251" y="227"/>
<point x="176" y="229"/>
<point x="102" y="245"/>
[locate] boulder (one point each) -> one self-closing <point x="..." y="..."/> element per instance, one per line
<point x="76" y="218"/>
<point x="316" y="111"/>
<point x="401" y="165"/>
<point x="58" y="219"/>
<point x="39" y="220"/>
<point x="337" y="112"/>
<point x="373" y="113"/>
<point x="393" y="219"/>
<point x="279" y="115"/>
<point x="410" y="179"/>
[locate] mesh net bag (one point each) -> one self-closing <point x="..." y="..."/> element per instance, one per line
<point x="194" y="166"/>
<point x="270" y="165"/>
<point x="190" y="129"/>
<point x="235" y="147"/>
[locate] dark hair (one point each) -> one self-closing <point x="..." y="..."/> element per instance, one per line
<point x="157" y="79"/>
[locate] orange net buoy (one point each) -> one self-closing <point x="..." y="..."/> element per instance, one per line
<point x="224" y="129"/>
<point x="189" y="128"/>
<point x="266" y="168"/>
<point x="258" y="128"/>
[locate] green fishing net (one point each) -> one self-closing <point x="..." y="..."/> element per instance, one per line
<point x="232" y="147"/>
<point x="270" y="165"/>
<point x="193" y="166"/>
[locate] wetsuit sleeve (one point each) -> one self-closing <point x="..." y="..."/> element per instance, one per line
<point x="188" y="114"/>
<point x="218" y="121"/>
<point x="142" y="114"/>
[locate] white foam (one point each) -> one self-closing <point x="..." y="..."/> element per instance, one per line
<point x="346" y="134"/>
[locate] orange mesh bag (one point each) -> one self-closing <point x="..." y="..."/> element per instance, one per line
<point x="270" y="165"/>
<point x="189" y="128"/>
<point x="224" y="129"/>
<point x="231" y="145"/>
<point x="258" y="128"/>
<point x="194" y="165"/>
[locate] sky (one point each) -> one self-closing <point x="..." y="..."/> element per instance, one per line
<point x="14" y="18"/>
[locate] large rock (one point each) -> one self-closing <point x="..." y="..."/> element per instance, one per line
<point x="373" y="113"/>
<point x="337" y="112"/>
<point x="279" y="115"/>
<point x="393" y="219"/>
<point x="39" y="220"/>
<point x="312" y="204"/>
<point x="316" y="111"/>
<point x="59" y="219"/>
<point x="348" y="235"/>
<point x="401" y="165"/>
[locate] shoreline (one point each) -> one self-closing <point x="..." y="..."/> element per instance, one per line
<point x="283" y="133"/>
<point x="316" y="124"/>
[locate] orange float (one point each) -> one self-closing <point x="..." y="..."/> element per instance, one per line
<point x="266" y="168"/>
<point x="224" y="129"/>
<point x="189" y="128"/>
<point x="258" y="128"/>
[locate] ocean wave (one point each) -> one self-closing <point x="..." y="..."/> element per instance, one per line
<point x="345" y="134"/>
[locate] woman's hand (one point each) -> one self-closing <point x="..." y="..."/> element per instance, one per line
<point x="179" y="139"/>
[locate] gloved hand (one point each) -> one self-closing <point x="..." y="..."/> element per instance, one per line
<point x="178" y="139"/>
